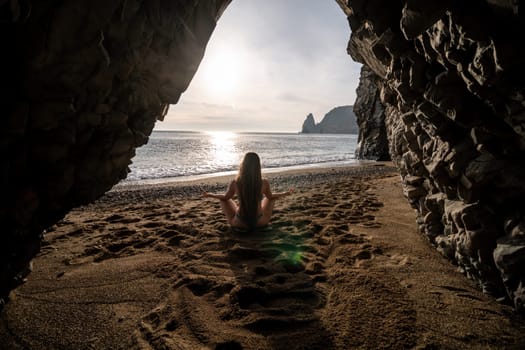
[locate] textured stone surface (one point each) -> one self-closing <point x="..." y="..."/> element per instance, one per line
<point x="451" y="77"/>
<point x="83" y="83"/>
<point x="370" y="114"/>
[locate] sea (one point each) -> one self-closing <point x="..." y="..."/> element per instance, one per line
<point x="184" y="155"/>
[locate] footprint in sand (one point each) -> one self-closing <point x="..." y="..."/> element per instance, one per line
<point x="152" y="224"/>
<point x="263" y="283"/>
<point x="398" y="260"/>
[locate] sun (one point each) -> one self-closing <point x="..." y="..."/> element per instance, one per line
<point x="223" y="72"/>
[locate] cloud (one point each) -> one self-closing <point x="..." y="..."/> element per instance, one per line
<point x="195" y="104"/>
<point x="294" y="60"/>
<point x="290" y="97"/>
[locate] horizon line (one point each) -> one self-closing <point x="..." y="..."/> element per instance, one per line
<point x="223" y="130"/>
<point x="249" y="132"/>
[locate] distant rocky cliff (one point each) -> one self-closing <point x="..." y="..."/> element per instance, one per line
<point x="340" y="120"/>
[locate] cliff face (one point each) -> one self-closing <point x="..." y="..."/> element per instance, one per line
<point x="370" y="114"/>
<point x="83" y="83"/>
<point x="340" y="120"/>
<point x="451" y="77"/>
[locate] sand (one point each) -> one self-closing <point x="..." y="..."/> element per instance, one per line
<point x="342" y="267"/>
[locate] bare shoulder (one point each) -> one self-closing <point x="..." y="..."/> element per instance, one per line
<point x="232" y="189"/>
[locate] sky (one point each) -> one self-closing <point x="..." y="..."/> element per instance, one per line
<point x="267" y="66"/>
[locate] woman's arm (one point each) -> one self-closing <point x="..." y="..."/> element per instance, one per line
<point x="223" y="197"/>
<point x="268" y="192"/>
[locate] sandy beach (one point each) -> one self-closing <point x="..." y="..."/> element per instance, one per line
<point x="341" y="267"/>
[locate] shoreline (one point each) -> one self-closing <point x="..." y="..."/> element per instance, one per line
<point x="265" y="171"/>
<point x="341" y="267"/>
<point x="298" y="178"/>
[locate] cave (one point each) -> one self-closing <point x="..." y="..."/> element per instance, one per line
<point x="84" y="82"/>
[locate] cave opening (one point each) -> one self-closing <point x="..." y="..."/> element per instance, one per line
<point x="90" y="88"/>
<point x="87" y="82"/>
<point x="263" y="71"/>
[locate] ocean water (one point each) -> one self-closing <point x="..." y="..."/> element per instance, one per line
<point x="170" y="155"/>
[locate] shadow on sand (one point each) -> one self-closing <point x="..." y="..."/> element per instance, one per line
<point x="278" y="286"/>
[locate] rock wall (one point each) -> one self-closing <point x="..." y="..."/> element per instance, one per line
<point x="372" y="142"/>
<point x="83" y="83"/>
<point x="452" y="80"/>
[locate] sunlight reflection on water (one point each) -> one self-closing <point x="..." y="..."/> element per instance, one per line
<point x="170" y="154"/>
<point x="222" y="148"/>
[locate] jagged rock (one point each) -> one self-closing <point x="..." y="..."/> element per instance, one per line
<point x="84" y="83"/>
<point x="340" y="120"/>
<point x="453" y="92"/>
<point x="510" y="258"/>
<point x="309" y="126"/>
<point x="372" y="142"/>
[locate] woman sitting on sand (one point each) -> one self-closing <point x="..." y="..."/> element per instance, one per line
<point x="253" y="211"/>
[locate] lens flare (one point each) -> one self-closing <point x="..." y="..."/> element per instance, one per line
<point x="291" y="255"/>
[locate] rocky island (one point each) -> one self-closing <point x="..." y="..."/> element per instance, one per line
<point x="340" y="120"/>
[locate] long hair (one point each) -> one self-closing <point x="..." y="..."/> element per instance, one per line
<point x="249" y="183"/>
